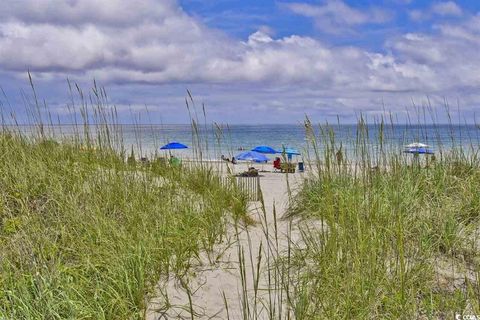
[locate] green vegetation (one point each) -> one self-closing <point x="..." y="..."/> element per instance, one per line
<point x="85" y="235"/>
<point x="87" y="230"/>
<point x="395" y="238"/>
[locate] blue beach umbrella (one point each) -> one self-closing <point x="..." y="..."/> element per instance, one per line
<point x="418" y="148"/>
<point x="174" y="145"/>
<point x="251" y="156"/>
<point x="290" y="152"/>
<point x="264" y="149"/>
<point x="419" y="151"/>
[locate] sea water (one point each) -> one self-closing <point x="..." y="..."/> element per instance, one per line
<point x="230" y="140"/>
<point x="212" y="141"/>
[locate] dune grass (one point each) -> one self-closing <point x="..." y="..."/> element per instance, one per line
<point x="396" y="238"/>
<point x="85" y="235"/>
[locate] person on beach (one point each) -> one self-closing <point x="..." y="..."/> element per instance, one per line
<point x="234" y="161"/>
<point x="339" y="156"/>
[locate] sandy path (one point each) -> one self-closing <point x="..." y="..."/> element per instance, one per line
<point x="216" y="280"/>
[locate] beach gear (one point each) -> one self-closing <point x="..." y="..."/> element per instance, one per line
<point x="419" y="151"/>
<point x="289" y="152"/>
<point x="265" y="149"/>
<point x="276" y="164"/>
<point x="251" y="156"/>
<point x="418" y="148"/>
<point x="174" y="161"/>
<point x="287" y="167"/>
<point x="416" y="145"/>
<point x="174" y="145"/>
<point x="301" y="167"/>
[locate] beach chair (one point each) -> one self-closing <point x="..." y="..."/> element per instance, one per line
<point x="277" y="165"/>
<point x="287" y="167"/>
<point x="175" y="162"/>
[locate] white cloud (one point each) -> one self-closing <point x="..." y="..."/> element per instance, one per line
<point x="46" y="47"/>
<point x="175" y="48"/>
<point x="448" y="8"/>
<point x="74" y="12"/>
<point x="442" y="9"/>
<point x="450" y="56"/>
<point x="130" y="37"/>
<point x="156" y="43"/>
<point x="334" y="16"/>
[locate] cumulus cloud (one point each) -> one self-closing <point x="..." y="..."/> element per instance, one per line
<point x="174" y="47"/>
<point x="448" y="8"/>
<point x="442" y="9"/>
<point x="77" y="12"/>
<point x="450" y="54"/>
<point x="334" y="16"/>
<point x="155" y="42"/>
<point x="142" y="36"/>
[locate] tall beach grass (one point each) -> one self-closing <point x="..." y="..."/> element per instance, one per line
<point x="380" y="234"/>
<point x="85" y="234"/>
<point x="397" y="235"/>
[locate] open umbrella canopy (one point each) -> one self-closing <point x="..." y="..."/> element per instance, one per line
<point x="419" y="151"/>
<point x="264" y="149"/>
<point x="416" y="145"/>
<point x="290" y="151"/>
<point x="251" y="156"/>
<point x="174" y="145"/>
<point x="418" y="148"/>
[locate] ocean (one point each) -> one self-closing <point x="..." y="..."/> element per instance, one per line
<point x="229" y="140"/>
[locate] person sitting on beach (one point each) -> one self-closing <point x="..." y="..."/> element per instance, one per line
<point x="234" y="161"/>
<point x="224" y="158"/>
<point x="251" y="172"/>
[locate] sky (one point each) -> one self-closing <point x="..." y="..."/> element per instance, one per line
<point x="247" y="61"/>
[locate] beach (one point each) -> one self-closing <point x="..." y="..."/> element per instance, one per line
<point x="217" y="285"/>
<point x="236" y="279"/>
<point x="161" y="239"/>
<point x="277" y="160"/>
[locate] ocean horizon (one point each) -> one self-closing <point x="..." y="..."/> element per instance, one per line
<point x="215" y="140"/>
